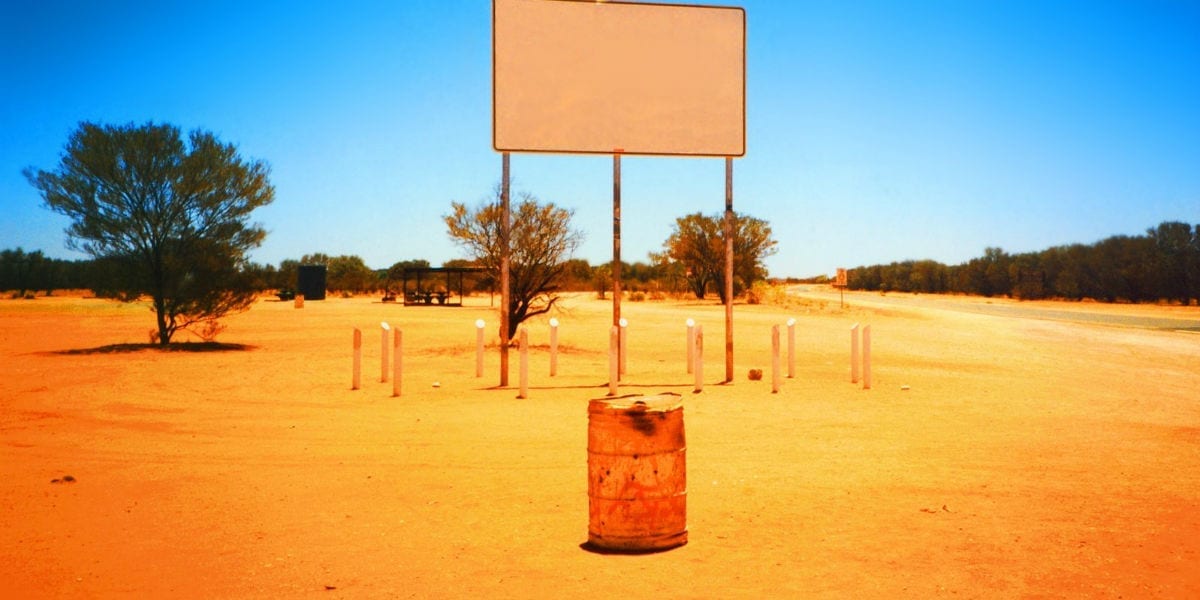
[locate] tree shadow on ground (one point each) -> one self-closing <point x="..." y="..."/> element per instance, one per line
<point x="177" y="347"/>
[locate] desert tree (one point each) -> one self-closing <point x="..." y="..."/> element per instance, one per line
<point x="996" y="271"/>
<point x="287" y="274"/>
<point x="578" y="273"/>
<point x="672" y="272"/>
<point x="346" y="273"/>
<point x="698" y="243"/>
<point x="261" y="276"/>
<point x="396" y="271"/>
<point x="542" y="241"/>
<point x="602" y="279"/>
<point x="167" y="217"/>
<point x="752" y="244"/>
<point x="1176" y="257"/>
<point x="350" y="274"/>
<point x="394" y="275"/>
<point x="1028" y="276"/>
<point x="23" y="271"/>
<point x="473" y="281"/>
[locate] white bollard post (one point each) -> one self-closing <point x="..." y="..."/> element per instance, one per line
<point x="699" y="367"/>
<point x="854" y="354"/>
<point x="524" y="376"/>
<point x="866" y="356"/>
<point x="621" y="352"/>
<point x="384" y="329"/>
<point x="775" y="359"/>
<point x="691" y="344"/>
<point x="613" y="343"/>
<point x="479" y="325"/>
<point x="397" y="365"/>
<point x="553" y="347"/>
<point x="357" y="383"/>
<point x="791" y="323"/>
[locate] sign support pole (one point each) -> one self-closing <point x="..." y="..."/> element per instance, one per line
<point x="505" y="250"/>
<point x="616" y="263"/>
<point x="729" y="231"/>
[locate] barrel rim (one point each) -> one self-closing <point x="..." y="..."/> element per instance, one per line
<point x="662" y="402"/>
<point x="601" y="544"/>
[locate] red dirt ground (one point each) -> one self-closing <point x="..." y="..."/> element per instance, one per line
<point x="1027" y="458"/>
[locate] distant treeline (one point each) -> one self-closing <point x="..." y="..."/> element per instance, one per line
<point x="24" y="274"/>
<point x="1163" y="264"/>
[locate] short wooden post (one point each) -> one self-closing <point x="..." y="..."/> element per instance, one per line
<point x="523" y="342"/>
<point x="691" y="344"/>
<point x="699" y="367"/>
<point x="622" y="351"/>
<point x="613" y="343"/>
<point x="553" y="347"/>
<point x="791" y="324"/>
<point x="298" y="302"/>
<point x="384" y="329"/>
<point x="775" y="359"/>
<point x="357" y="382"/>
<point x="854" y="354"/>
<point x="479" y="325"/>
<point x="397" y="365"/>
<point x="866" y="356"/>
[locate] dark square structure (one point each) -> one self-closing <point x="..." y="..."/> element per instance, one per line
<point x="310" y="281"/>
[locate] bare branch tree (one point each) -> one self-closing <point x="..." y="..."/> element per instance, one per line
<point x="542" y="243"/>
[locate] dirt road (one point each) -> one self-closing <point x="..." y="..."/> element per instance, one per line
<point x="1161" y="317"/>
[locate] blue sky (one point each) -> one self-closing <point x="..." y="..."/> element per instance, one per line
<point x="876" y="131"/>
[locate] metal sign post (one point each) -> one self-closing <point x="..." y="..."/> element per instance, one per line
<point x="505" y="251"/>
<point x="729" y="233"/>
<point x="616" y="262"/>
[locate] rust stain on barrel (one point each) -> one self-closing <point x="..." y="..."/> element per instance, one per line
<point x="639" y="420"/>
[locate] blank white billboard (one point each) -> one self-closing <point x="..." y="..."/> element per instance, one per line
<point x="618" y="77"/>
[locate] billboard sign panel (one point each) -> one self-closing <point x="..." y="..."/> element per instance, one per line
<point x="618" y="77"/>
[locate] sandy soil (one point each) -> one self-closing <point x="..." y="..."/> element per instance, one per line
<point x="1026" y="458"/>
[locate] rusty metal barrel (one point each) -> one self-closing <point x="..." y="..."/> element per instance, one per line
<point x="637" y="473"/>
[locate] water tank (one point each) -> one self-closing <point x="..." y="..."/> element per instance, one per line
<point x="310" y="281"/>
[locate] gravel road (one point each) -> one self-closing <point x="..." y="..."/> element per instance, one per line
<point x="1078" y="313"/>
